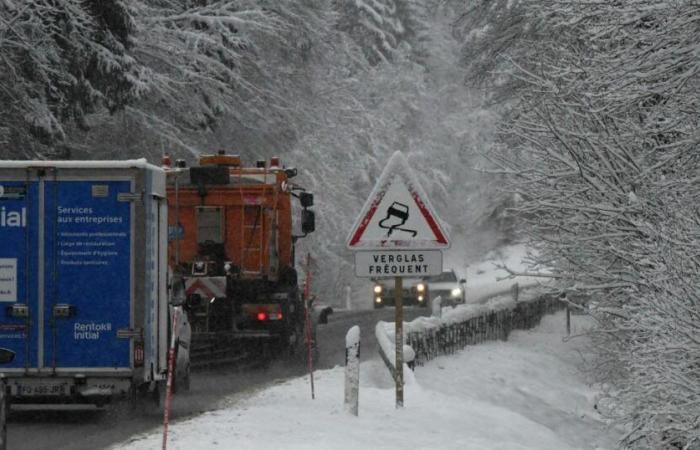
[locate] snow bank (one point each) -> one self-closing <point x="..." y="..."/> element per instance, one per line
<point x="385" y="333"/>
<point x="524" y="394"/>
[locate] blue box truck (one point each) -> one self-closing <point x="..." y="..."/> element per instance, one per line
<point x="84" y="297"/>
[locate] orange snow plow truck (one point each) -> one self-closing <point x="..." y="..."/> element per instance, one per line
<point x="231" y="241"/>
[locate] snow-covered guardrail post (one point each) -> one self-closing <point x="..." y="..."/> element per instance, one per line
<point x="352" y="370"/>
<point x="348" y="297"/>
<point x="437" y="307"/>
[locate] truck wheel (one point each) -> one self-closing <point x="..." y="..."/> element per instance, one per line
<point x="4" y="410"/>
<point x="186" y="379"/>
<point x="158" y="394"/>
<point x="176" y="381"/>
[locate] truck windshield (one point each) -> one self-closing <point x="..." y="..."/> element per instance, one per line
<point x="209" y="224"/>
<point x="444" y="276"/>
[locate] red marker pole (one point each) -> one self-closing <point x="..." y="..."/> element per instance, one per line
<point x="169" y="383"/>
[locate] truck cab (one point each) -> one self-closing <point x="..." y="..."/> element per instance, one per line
<point x="232" y="241"/>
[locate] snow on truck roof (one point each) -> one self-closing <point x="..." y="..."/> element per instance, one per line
<point x="141" y="163"/>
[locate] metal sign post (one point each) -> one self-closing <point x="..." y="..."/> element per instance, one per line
<point x="398" y="320"/>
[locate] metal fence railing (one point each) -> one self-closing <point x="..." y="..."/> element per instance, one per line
<point x="448" y="338"/>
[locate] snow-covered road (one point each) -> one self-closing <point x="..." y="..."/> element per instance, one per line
<point x="527" y="393"/>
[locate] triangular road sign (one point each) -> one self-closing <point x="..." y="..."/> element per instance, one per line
<point x="397" y="214"/>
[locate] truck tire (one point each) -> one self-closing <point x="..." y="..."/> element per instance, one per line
<point x="4" y="411"/>
<point x="186" y="381"/>
<point x="158" y="394"/>
<point x="182" y="384"/>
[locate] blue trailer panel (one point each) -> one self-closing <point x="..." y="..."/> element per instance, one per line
<point x="87" y="274"/>
<point x="18" y="270"/>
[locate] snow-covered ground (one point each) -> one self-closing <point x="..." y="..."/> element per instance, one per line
<point x="527" y="393"/>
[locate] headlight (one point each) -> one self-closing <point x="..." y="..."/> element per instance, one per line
<point x="456" y="292"/>
<point x="378" y="300"/>
<point x="420" y="287"/>
<point x="420" y="298"/>
<point x="199" y="268"/>
<point x="377" y="289"/>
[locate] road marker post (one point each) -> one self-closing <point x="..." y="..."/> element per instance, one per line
<point x="352" y="370"/>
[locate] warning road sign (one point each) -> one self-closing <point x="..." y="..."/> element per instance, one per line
<point x="397" y="214"/>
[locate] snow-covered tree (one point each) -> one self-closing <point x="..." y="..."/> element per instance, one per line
<point x="601" y="144"/>
<point x="61" y="60"/>
<point x="382" y="27"/>
<point x="416" y="104"/>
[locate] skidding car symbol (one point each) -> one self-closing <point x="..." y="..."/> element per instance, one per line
<point x="398" y="211"/>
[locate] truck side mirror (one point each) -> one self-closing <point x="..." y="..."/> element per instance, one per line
<point x="325" y="312"/>
<point x="6" y="356"/>
<point x="308" y="221"/>
<point x="306" y="199"/>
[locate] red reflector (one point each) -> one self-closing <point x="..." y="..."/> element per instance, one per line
<point x="262" y="316"/>
<point x="138" y="355"/>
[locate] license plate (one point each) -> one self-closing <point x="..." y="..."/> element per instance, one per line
<point x="41" y="389"/>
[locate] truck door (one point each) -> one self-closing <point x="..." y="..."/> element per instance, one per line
<point x="19" y="256"/>
<point x="87" y="274"/>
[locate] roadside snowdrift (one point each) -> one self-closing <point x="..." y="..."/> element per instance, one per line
<point x="522" y="394"/>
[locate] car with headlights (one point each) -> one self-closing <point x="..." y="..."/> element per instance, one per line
<point x="448" y="287"/>
<point x="415" y="292"/>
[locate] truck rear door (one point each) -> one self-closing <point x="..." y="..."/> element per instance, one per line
<point x="87" y="274"/>
<point x="65" y="271"/>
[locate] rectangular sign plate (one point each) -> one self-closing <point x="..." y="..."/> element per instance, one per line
<point x="398" y="263"/>
<point x="8" y="279"/>
<point x="39" y="387"/>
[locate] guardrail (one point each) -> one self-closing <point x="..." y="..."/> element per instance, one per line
<point x="430" y="337"/>
<point x="430" y="340"/>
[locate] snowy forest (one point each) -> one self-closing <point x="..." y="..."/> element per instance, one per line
<point x="569" y="125"/>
